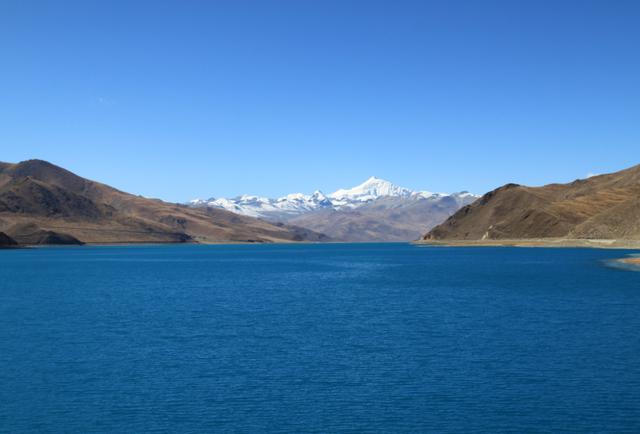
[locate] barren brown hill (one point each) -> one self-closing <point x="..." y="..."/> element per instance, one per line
<point x="43" y="203"/>
<point x="604" y="207"/>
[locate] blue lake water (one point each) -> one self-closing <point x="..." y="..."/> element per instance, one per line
<point x="317" y="338"/>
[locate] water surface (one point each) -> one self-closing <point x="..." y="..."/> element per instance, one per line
<point x="318" y="338"/>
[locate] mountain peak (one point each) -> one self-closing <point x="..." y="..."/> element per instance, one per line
<point x="318" y="195"/>
<point x="371" y="189"/>
<point x="45" y="171"/>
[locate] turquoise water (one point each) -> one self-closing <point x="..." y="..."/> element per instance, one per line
<point x="317" y="338"/>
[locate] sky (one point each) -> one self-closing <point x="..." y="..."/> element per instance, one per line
<point x="185" y="99"/>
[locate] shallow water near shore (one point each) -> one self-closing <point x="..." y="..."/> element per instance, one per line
<point x="627" y="263"/>
<point x="318" y="338"/>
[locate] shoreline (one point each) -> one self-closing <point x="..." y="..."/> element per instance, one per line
<point x="537" y="242"/>
<point x="540" y="242"/>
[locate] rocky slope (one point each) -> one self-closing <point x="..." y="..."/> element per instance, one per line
<point x="605" y="207"/>
<point x="43" y="203"/>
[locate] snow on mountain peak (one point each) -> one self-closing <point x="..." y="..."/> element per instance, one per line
<point x="371" y="189"/>
<point x="295" y="204"/>
<point x="318" y="194"/>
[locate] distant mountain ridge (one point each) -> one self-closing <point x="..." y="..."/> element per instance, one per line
<point x="375" y="210"/>
<point x="292" y="205"/>
<point x="603" y="207"/>
<point x="262" y="207"/>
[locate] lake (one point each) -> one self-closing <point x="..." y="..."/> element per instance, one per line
<point x="317" y="338"/>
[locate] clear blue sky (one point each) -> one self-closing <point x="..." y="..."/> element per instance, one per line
<point x="216" y="98"/>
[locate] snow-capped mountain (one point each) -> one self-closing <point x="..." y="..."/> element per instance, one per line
<point x="371" y="189"/>
<point x="294" y="205"/>
<point x="264" y="207"/>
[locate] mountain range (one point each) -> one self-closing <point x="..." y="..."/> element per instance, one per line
<point x="41" y="203"/>
<point x="376" y="210"/>
<point x="604" y="207"/>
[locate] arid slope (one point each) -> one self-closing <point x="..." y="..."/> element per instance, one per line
<point x="42" y="203"/>
<point x="605" y="207"/>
